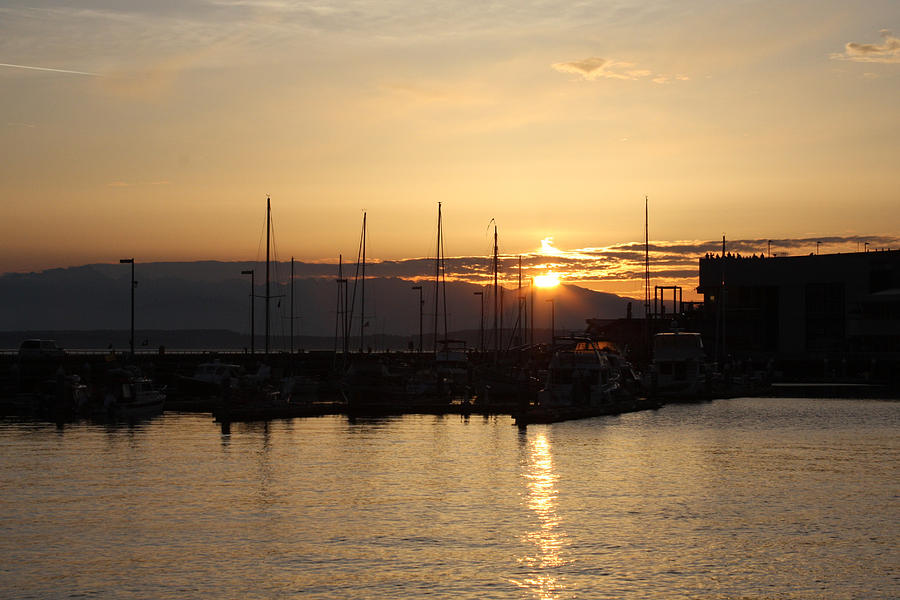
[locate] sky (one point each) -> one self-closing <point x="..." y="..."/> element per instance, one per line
<point x="157" y="130"/>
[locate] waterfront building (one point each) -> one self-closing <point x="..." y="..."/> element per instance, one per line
<point x="835" y="307"/>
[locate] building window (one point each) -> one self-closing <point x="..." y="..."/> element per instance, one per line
<point x="825" y="317"/>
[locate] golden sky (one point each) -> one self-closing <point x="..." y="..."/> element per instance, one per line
<point x="156" y="129"/>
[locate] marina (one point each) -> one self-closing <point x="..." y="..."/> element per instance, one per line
<point x="471" y="301"/>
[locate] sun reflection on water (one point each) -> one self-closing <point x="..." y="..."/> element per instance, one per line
<point x="548" y="539"/>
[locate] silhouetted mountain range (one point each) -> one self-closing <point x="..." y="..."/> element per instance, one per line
<point x="214" y="295"/>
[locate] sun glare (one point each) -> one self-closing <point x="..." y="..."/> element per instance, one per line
<point x="546" y="281"/>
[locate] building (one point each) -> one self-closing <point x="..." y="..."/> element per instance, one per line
<point x="825" y="307"/>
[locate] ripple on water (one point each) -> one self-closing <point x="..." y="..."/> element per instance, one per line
<point x="746" y="498"/>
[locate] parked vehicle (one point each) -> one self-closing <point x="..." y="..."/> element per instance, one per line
<point x="40" y="349"/>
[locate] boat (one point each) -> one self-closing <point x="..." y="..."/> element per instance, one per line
<point x="370" y="387"/>
<point x="587" y="379"/>
<point x="62" y="399"/>
<point x="129" y="395"/>
<point x="505" y="387"/>
<point x="678" y="369"/>
<point x="256" y="401"/>
<point x="208" y="379"/>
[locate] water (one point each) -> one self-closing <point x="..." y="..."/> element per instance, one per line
<point x="745" y="498"/>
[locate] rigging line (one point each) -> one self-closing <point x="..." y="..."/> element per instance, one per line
<point x="513" y="335"/>
<point x="274" y="252"/>
<point x="278" y="283"/>
<point x="262" y="235"/>
<point x="355" y="282"/>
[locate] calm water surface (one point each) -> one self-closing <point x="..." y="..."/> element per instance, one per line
<point x="745" y="498"/>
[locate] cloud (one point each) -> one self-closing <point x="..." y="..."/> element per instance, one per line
<point x="594" y="67"/>
<point x="619" y="266"/>
<point x="888" y="52"/>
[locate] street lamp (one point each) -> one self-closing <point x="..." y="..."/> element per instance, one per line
<point x="133" y="285"/>
<point x="421" y="304"/>
<point x="531" y="289"/>
<point x="250" y="272"/>
<point x="552" y="302"/>
<point x="481" y="321"/>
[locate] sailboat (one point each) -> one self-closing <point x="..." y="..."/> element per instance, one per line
<point x="253" y="396"/>
<point x="368" y="385"/>
<point x="505" y="385"/>
<point x="451" y="368"/>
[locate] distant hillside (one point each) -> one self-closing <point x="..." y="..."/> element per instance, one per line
<point x="215" y="296"/>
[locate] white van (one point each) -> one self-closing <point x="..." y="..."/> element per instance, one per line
<point x="40" y="349"/>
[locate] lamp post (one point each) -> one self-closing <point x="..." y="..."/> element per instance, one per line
<point x="133" y="285"/>
<point x="481" y="321"/>
<point x="552" y="302"/>
<point x="817" y="248"/>
<point x="250" y="272"/>
<point x="531" y="289"/>
<point x="421" y="305"/>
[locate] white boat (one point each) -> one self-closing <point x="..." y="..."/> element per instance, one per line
<point x="131" y="396"/>
<point x="590" y="379"/>
<point x="580" y="376"/>
<point x="678" y="369"/>
<point x="208" y="379"/>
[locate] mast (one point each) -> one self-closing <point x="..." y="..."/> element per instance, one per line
<point x="721" y="319"/>
<point x="443" y="275"/>
<point x="337" y="305"/>
<point x="496" y="300"/>
<point x="292" y="305"/>
<point x="268" y="230"/>
<point x="362" y="308"/>
<point x="341" y="317"/>
<point x="647" y="330"/>
<point x="531" y="340"/>
<point x="345" y="320"/>
<point x="519" y="325"/>
<point x="437" y="280"/>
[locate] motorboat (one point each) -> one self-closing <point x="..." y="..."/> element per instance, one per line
<point x="679" y="368"/>
<point x="130" y="395"/>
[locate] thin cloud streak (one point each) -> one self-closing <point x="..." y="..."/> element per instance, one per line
<point x="48" y="69"/>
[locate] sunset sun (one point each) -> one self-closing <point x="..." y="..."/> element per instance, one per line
<point x="546" y="281"/>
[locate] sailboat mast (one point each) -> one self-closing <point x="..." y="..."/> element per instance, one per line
<point x="268" y="231"/>
<point x="362" y="308"/>
<point x="519" y="298"/>
<point x="443" y="275"/>
<point x="337" y="306"/>
<point x="292" y="305"/>
<point x="345" y="321"/>
<point x="646" y="259"/>
<point x="496" y="300"/>
<point x="722" y="304"/>
<point x="531" y="336"/>
<point x="647" y="330"/>
<point x="437" y="279"/>
<point x="342" y="304"/>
